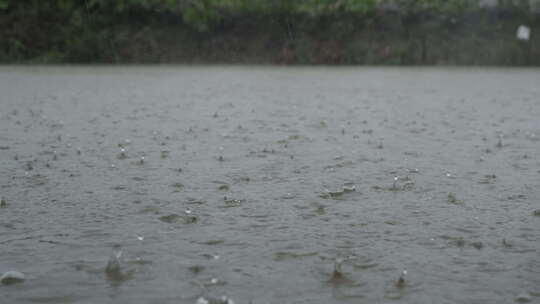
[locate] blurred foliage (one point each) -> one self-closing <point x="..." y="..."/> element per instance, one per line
<point x="82" y="29"/>
<point x="202" y="13"/>
<point x="4" y="4"/>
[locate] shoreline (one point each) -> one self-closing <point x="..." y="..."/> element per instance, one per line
<point x="481" y="38"/>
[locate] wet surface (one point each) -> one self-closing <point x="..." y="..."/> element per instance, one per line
<point x="270" y="185"/>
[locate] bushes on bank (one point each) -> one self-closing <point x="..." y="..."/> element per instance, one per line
<point x="101" y="30"/>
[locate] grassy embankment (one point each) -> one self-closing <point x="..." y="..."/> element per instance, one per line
<point x="244" y="31"/>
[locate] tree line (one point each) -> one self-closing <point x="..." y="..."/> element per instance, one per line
<point x="144" y="30"/>
<point x="203" y="13"/>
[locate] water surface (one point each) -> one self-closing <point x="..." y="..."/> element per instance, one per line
<point x="256" y="183"/>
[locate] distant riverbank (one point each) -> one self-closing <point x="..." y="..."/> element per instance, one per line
<point x="479" y="37"/>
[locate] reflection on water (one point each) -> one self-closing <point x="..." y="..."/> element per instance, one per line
<point x="269" y="185"/>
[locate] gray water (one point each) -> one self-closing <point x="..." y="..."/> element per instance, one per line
<point x="270" y="184"/>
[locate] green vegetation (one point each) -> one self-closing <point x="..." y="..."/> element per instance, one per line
<point x="262" y="31"/>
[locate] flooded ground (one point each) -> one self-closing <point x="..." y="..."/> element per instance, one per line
<point x="270" y="184"/>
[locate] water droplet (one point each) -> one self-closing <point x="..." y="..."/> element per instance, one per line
<point x="349" y="187"/>
<point x="523" y="298"/>
<point x="12" y="277"/>
<point x="122" y="154"/>
<point x="202" y="300"/>
<point x="231" y="202"/>
<point x="211" y="256"/>
<point x="113" y="267"/>
<point x="288" y="196"/>
<point x="401" y="281"/>
<point x="394" y="185"/>
<point x="478" y="245"/>
<point x="453" y="200"/>
<point x="331" y="194"/>
<point x="506" y="243"/>
<point x="499" y="143"/>
<point x="226" y="300"/>
<point x="337" y="264"/>
<point x="338" y="276"/>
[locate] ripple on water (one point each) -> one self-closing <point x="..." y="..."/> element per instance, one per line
<point x="178" y="219"/>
